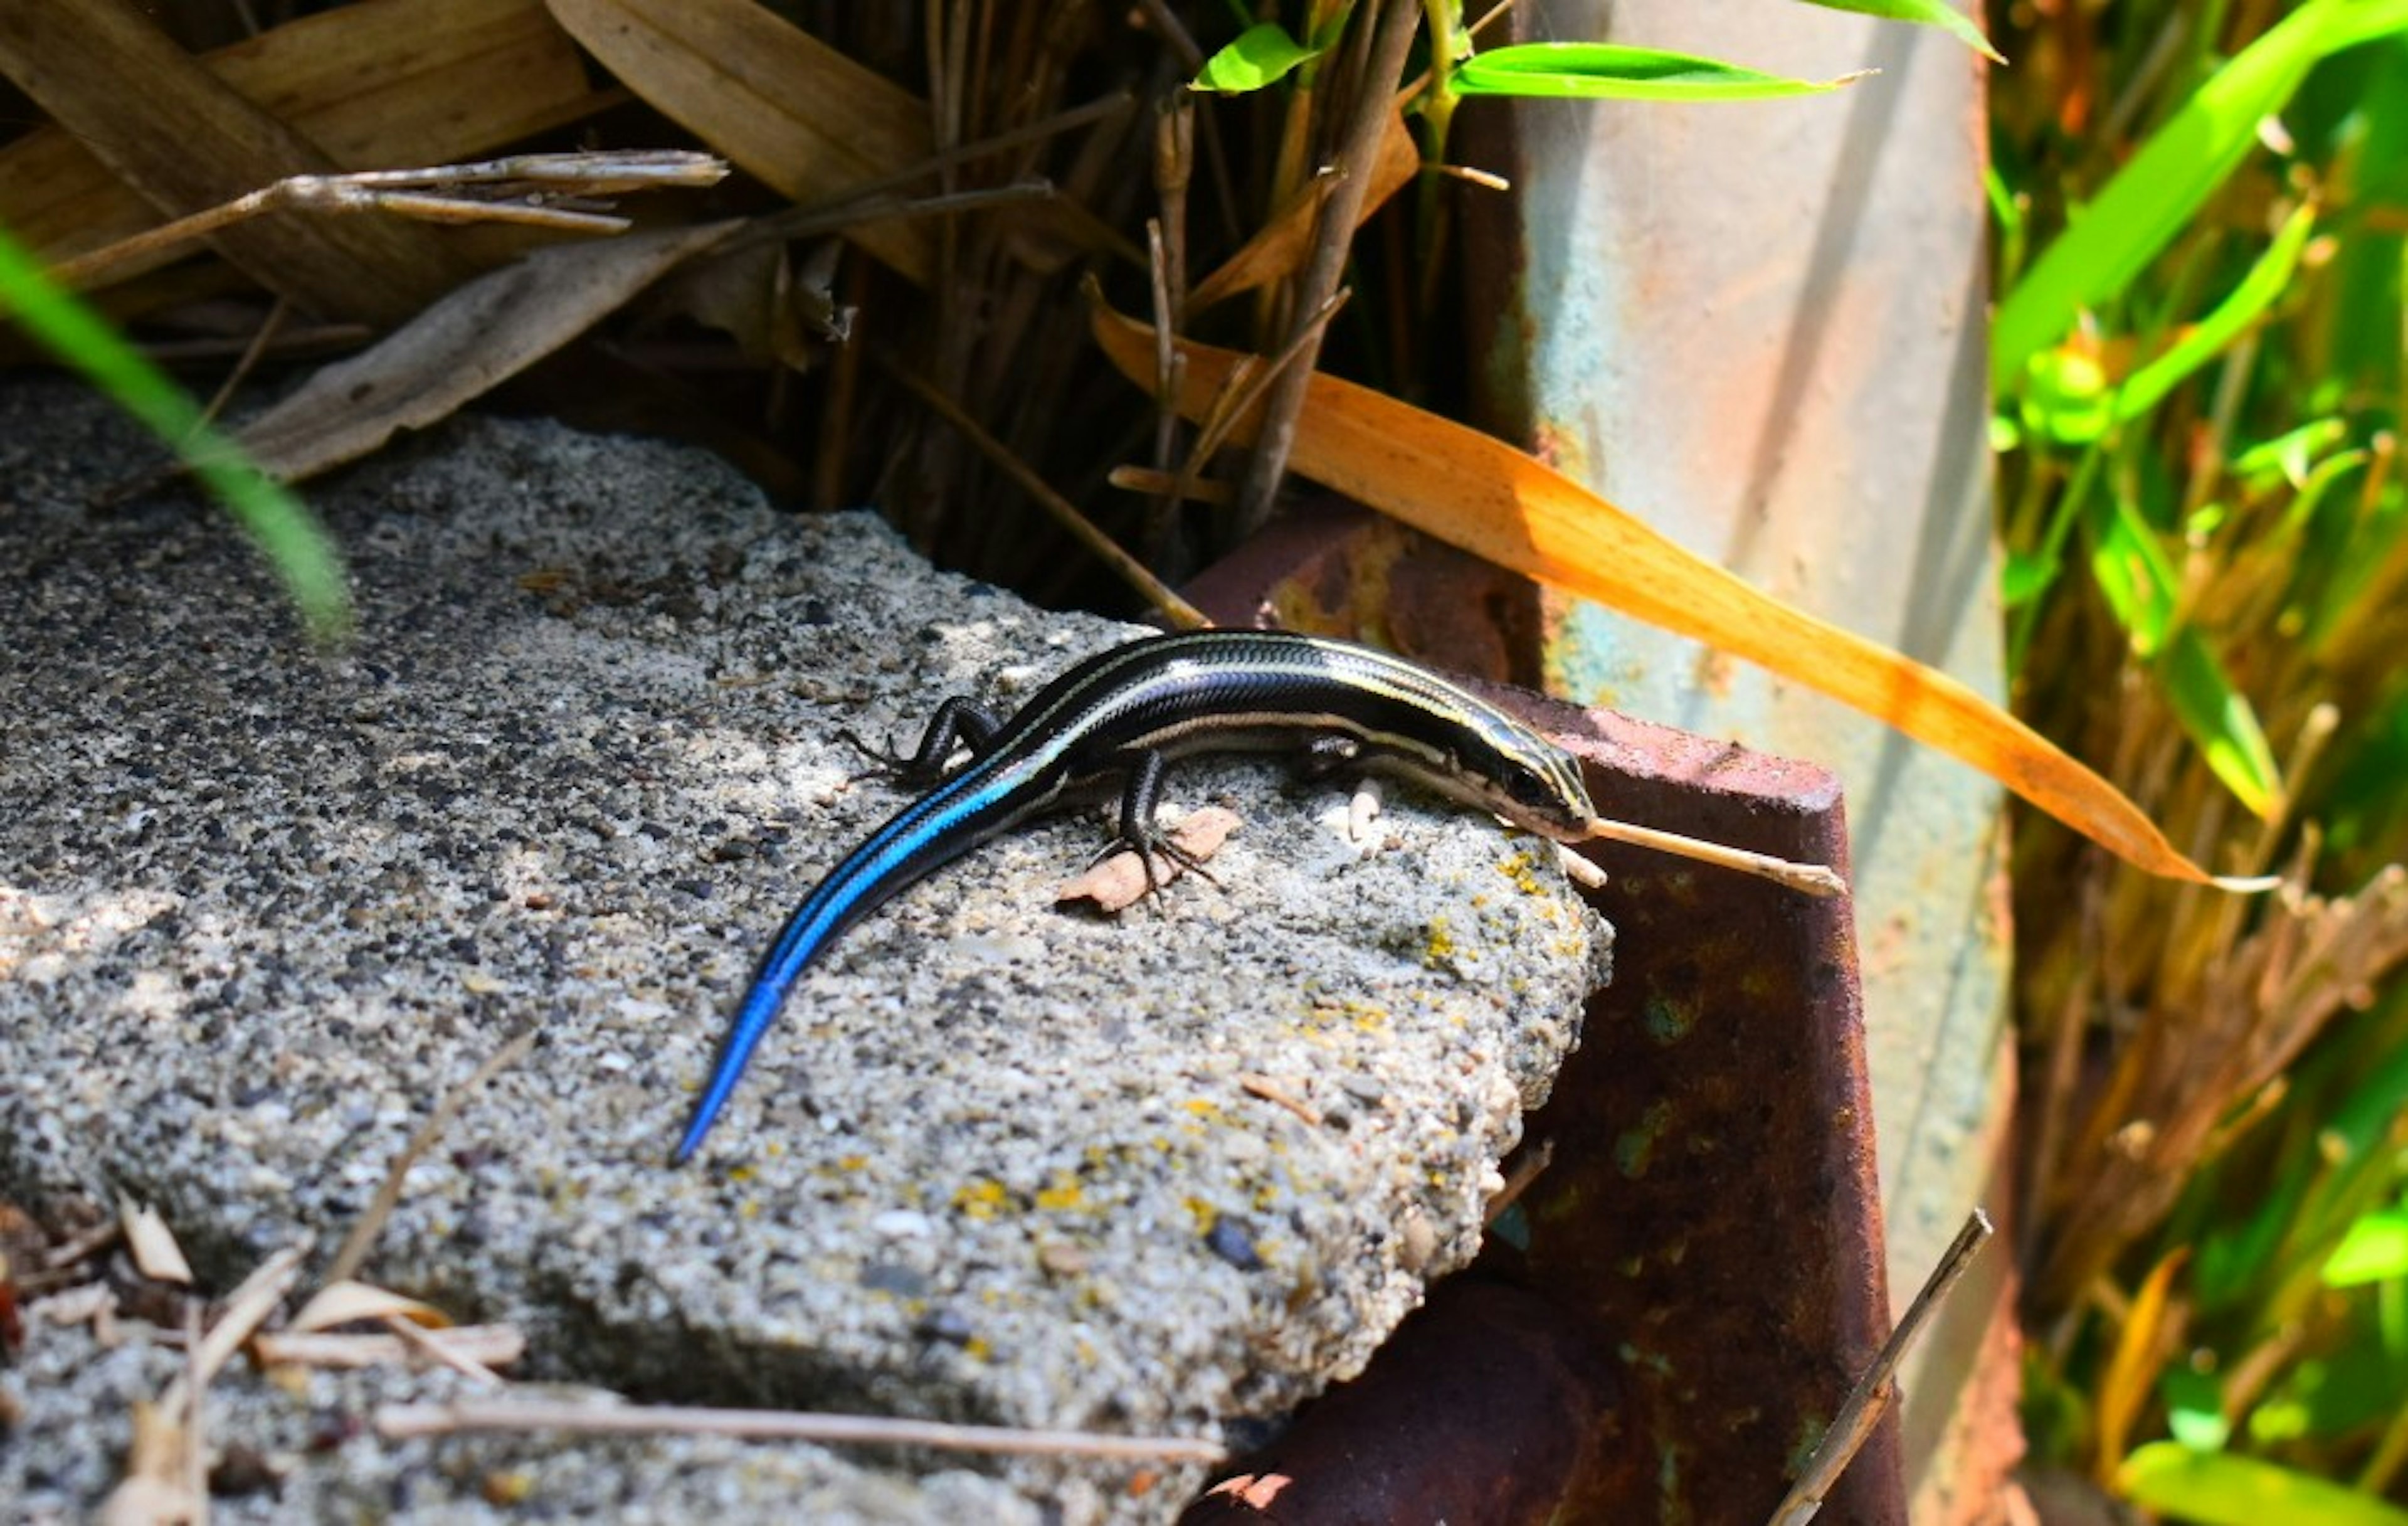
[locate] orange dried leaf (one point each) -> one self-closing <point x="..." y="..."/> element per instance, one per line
<point x="2131" y="1376"/>
<point x="1499" y="503"/>
<point x="1280" y="247"/>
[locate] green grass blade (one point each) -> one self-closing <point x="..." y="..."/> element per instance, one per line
<point x="2143" y="591"/>
<point x="2223" y="1488"/>
<point x="2155" y="194"/>
<point x="2135" y="573"/>
<point x="2221" y="721"/>
<point x="296" y="546"/>
<point x="1939" y="13"/>
<point x="1608" y="71"/>
<point x="2145" y="388"/>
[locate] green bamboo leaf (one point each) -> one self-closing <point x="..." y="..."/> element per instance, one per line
<point x="2144" y="592"/>
<point x="296" y="545"/>
<point x="2375" y="1249"/>
<point x="2220" y="720"/>
<point x="2134" y="572"/>
<point x="1262" y="55"/>
<point x="2145" y="388"/>
<point x="2155" y="195"/>
<point x="1603" y="71"/>
<point x="2223" y="1489"/>
<point x="1939" y="13"/>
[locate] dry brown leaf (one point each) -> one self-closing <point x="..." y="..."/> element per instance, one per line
<point x="157" y="1488"/>
<point x="340" y="1302"/>
<point x="378" y="84"/>
<point x="151" y="1244"/>
<point x="488" y="1346"/>
<point x="472" y="340"/>
<point x="196" y="143"/>
<point x="245" y="1309"/>
<point x="1120" y="882"/>
<point x="800" y="117"/>
<point x="1477" y="493"/>
<point x="1280" y="247"/>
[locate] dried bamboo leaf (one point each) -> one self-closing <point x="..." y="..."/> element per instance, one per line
<point x="377" y="84"/>
<point x="1280" y="247"/>
<point x="340" y="1302"/>
<point x="196" y="143"/>
<point x="802" y="118"/>
<point x="466" y="344"/>
<point x="488" y="1346"/>
<point x="1484" y="495"/>
<point x="151" y="1244"/>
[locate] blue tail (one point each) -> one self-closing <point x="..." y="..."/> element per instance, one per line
<point x="925" y="835"/>
<point x="785" y="963"/>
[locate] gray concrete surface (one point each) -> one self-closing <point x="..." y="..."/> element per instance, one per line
<point x="260" y="909"/>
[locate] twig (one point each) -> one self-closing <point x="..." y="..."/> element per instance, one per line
<point x="848" y="208"/>
<point x="1396" y="24"/>
<point x="835" y="217"/>
<point x="357" y="1245"/>
<point x="1159" y="15"/>
<point x="1128" y="568"/>
<point x="1812" y="879"/>
<point x="437" y="192"/>
<point x="247" y="361"/>
<point x="1875" y="1391"/>
<point x="1534" y="1163"/>
<point x="247" y="1309"/>
<point x="401" y="1423"/>
<point x="1169" y="485"/>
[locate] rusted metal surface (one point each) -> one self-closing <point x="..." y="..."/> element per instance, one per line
<point x="1760" y="327"/>
<point x="1482" y="1409"/>
<point x="1710" y="1221"/>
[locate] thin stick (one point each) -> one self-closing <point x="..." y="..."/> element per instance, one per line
<point x="437" y="192"/>
<point x="400" y="1422"/>
<point x="1874" y="1392"/>
<point x="847" y="208"/>
<point x="1393" y="35"/>
<point x="1129" y="569"/>
<point x="1812" y="879"/>
<point x="1534" y="1163"/>
<point x="245" y="1310"/>
<point x="388" y="1194"/>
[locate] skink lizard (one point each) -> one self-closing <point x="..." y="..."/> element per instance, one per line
<point x="1120" y="714"/>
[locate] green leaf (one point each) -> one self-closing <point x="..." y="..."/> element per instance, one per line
<point x="2025" y="576"/>
<point x="278" y="522"/>
<point x="2195" y="1409"/>
<point x="2221" y="721"/>
<point x="1939" y="13"/>
<point x="2375" y="1249"/>
<point x="2144" y="592"/>
<point x="2223" y="1489"/>
<point x="1262" y="55"/>
<point x="2156" y="192"/>
<point x="2135" y="574"/>
<point x="2145" y="388"/>
<point x="1603" y="71"/>
<point x="2287" y="455"/>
